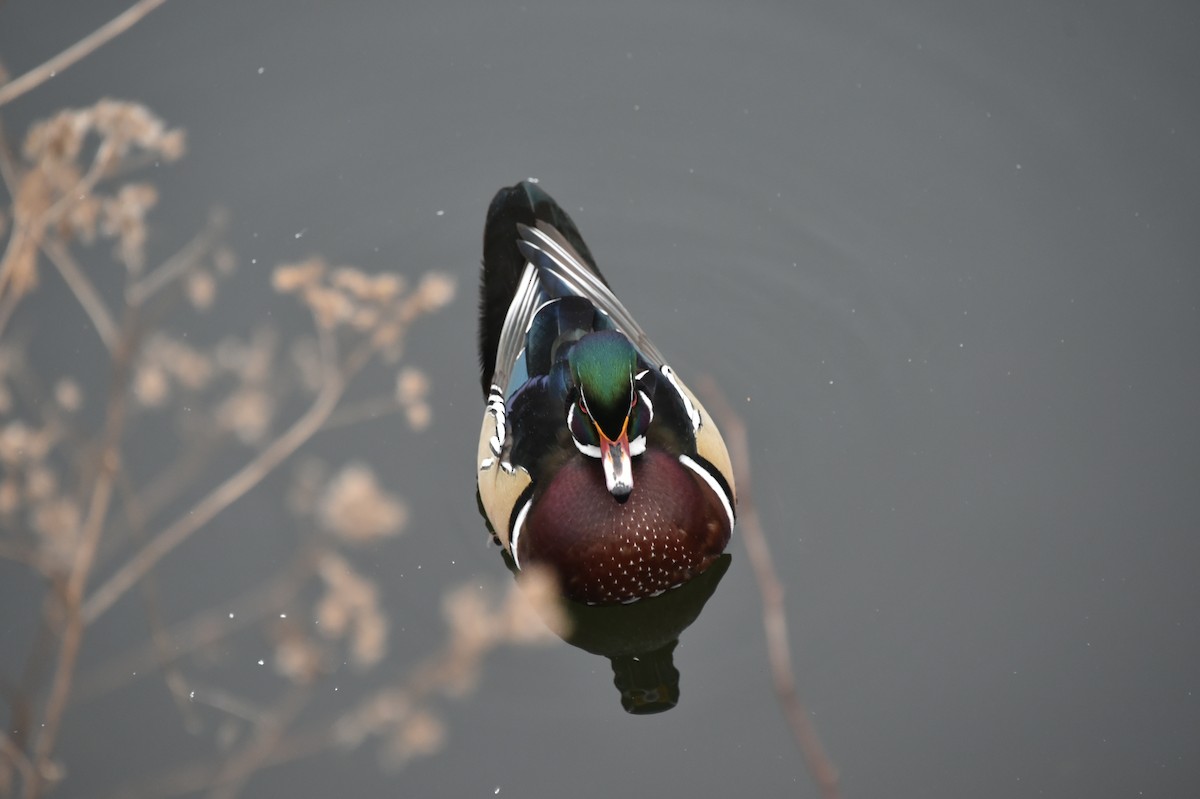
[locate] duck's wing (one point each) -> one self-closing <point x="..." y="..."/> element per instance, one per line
<point x="563" y="272"/>
<point x="508" y="298"/>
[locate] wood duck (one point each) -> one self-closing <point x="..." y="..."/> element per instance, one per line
<point x="594" y="458"/>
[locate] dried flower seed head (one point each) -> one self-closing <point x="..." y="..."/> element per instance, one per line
<point x="535" y="608"/>
<point x="247" y="414"/>
<point x="386" y="287"/>
<point x="59" y="138"/>
<point x="365" y="318"/>
<point x="191" y="368"/>
<point x="297" y="657"/>
<point x="355" y="508"/>
<point x="467" y="612"/>
<point x="435" y="291"/>
<point x="253" y="361"/>
<point x="419" y="415"/>
<point x="288" y="278"/>
<point x="68" y="395"/>
<point x="384" y="711"/>
<point x="173" y="145"/>
<point x="150" y="386"/>
<point x="82" y="218"/>
<point x="17" y="443"/>
<point x="330" y="306"/>
<point x="350" y="607"/>
<point x="351" y="280"/>
<point x="124" y="217"/>
<point x="411" y="385"/>
<point x="421" y="735"/>
<point x="201" y="289"/>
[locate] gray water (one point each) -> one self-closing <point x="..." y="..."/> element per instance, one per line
<point x="943" y="256"/>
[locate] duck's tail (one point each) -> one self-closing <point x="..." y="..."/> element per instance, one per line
<point x="503" y="263"/>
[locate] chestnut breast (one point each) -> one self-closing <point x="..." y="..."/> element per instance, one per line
<point x="669" y="529"/>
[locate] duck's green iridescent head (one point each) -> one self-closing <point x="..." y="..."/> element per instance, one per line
<point x="602" y="366"/>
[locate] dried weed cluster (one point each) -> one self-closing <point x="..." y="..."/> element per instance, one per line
<point x="92" y="522"/>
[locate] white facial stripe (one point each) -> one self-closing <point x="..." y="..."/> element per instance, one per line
<point x="712" y="483"/>
<point x="641" y="374"/>
<point x="637" y="446"/>
<point x="591" y="450"/>
<point x="649" y="404"/>
<point x="516" y="532"/>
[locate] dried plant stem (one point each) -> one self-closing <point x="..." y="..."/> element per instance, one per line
<point x="820" y="766"/>
<point x="197" y="776"/>
<point x="8" y="164"/>
<point x="13" y="754"/>
<point x="83" y="289"/>
<point x="159" y="640"/>
<point x="181" y="262"/>
<point x="81" y="49"/>
<point x="269" y="733"/>
<point x="76" y="582"/>
<point x="201" y="630"/>
<point x="364" y="411"/>
<point x="227" y="492"/>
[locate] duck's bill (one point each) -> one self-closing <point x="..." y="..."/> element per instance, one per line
<point x="618" y="471"/>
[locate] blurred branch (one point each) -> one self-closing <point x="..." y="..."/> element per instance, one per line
<point x="181" y="262"/>
<point x="159" y="640"/>
<point x="229" y="491"/>
<point x="8" y="164"/>
<point x="83" y="289"/>
<point x="202" y="630"/>
<point x="76" y="583"/>
<point x="18" y="759"/>
<point x="363" y="411"/>
<point x="822" y="769"/>
<point x="81" y="49"/>
<point x="269" y="730"/>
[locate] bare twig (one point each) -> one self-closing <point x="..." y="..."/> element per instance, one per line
<point x="72" y="599"/>
<point x="19" y="760"/>
<point x="363" y="411"/>
<point x="195" y="777"/>
<point x="227" y="492"/>
<point x="822" y="769"/>
<point x="81" y="49"/>
<point x="9" y="171"/>
<point x="160" y="641"/>
<point x="269" y="733"/>
<point x="83" y="289"/>
<point x="181" y="262"/>
<point x="201" y="630"/>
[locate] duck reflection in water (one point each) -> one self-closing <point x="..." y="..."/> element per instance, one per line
<point x="595" y="460"/>
<point x="639" y="638"/>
